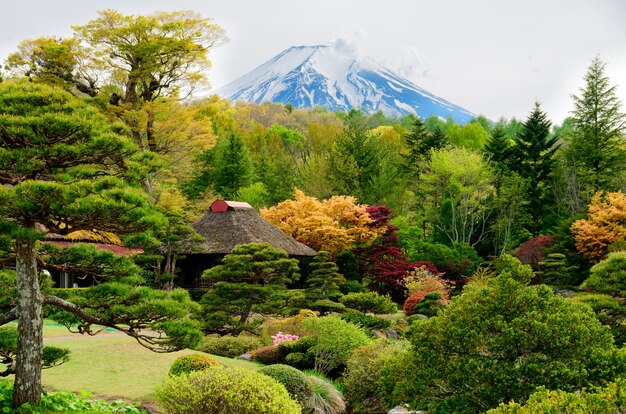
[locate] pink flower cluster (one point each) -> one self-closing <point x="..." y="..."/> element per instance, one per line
<point x="282" y="337"/>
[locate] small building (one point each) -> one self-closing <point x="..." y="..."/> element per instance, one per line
<point x="226" y="225"/>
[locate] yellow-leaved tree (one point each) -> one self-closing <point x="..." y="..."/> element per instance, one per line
<point x="331" y="225"/>
<point x="605" y="225"/>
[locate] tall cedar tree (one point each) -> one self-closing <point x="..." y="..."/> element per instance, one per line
<point x="251" y="279"/>
<point x="384" y="263"/>
<point x="598" y="142"/>
<point x="62" y="169"/>
<point x="499" y="149"/>
<point x="534" y="160"/>
<point x="419" y="142"/>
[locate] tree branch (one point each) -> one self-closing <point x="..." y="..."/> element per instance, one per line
<point x="154" y="341"/>
<point x="8" y="317"/>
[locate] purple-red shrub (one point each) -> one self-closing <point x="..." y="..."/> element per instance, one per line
<point x="532" y="251"/>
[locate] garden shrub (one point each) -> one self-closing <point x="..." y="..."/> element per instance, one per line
<point x="366" y="321"/>
<point x="369" y="302"/>
<point x="352" y="286"/>
<point x="421" y="279"/>
<point x="334" y="341"/>
<point x="295" y="381"/>
<point x="298" y="353"/>
<point x="268" y="355"/>
<point x="608" y="276"/>
<point x="533" y="251"/>
<point x="189" y="363"/>
<point x="393" y="372"/>
<point x="300" y="360"/>
<point x="362" y="376"/>
<point x="64" y="402"/>
<point x="326" y="306"/>
<point x="609" y="310"/>
<point x="608" y="400"/>
<point x="291" y="325"/>
<point x="500" y="342"/>
<point x="325" y="399"/>
<point x="424" y="303"/>
<point x="225" y="390"/>
<point x="229" y="346"/>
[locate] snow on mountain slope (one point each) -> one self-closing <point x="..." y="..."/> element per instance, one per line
<point x="308" y="76"/>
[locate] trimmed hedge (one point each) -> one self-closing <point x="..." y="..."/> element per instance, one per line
<point x="189" y="363"/>
<point x="229" y="346"/>
<point x="225" y="390"/>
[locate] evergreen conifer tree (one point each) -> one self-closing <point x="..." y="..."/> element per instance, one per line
<point x="598" y="142"/>
<point x="325" y="279"/>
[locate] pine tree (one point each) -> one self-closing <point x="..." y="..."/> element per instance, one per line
<point x="598" y="142"/>
<point x="63" y="169"/>
<point x="233" y="166"/>
<point x="325" y="279"/>
<point x="498" y="149"/>
<point x="415" y="140"/>
<point x="533" y="161"/>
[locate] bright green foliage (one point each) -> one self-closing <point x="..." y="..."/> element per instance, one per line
<point x="371" y="302"/>
<point x="325" y="279"/>
<point x="250" y="280"/>
<point x="334" y="341"/>
<point x="295" y="381"/>
<point x="607" y="400"/>
<point x="534" y="159"/>
<point x="608" y="276"/>
<point x="456" y="260"/>
<point x="609" y="310"/>
<point x="51" y="357"/>
<point x="220" y="390"/>
<point x="187" y="364"/>
<point x="362" y="376"/>
<point x="366" y="321"/>
<point x="229" y="346"/>
<point x="420" y="141"/>
<point x="498" y="343"/>
<point x="597" y="142"/>
<point x="471" y="136"/>
<point x="459" y="186"/>
<point x="510" y="266"/>
<point x="65" y="403"/>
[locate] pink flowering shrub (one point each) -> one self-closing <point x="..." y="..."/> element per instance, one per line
<point x="280" y="337"/>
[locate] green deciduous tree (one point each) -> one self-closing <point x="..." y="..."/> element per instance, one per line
<point x="63" y="168"/>
<point x="597" y="141"/>
<point x="252" y="279"/>
<point x="499" y="342"/>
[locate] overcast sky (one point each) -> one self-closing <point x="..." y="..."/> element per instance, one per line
<point x="494" y="57"/>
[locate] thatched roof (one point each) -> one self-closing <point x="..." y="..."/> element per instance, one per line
<point x="228" y="224"/>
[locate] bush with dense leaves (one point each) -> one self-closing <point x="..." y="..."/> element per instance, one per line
<point x="371" y="302"/>
<point x="268" y="355"/>
<point x="294" y="380"/>
<point x="424" y="303"/>
<point x="189" y="363"/>
<point x="500" y="342"/>
<point x="608" y="276"/>
<point x="366" y="321"/>
<point x="225" y="390"/>
<point x="291" y="325"/>
<point x="609" y="310"/>
<point x="607" y="400"/>
<point x="334" y="341"/>
<point x="65" y="402"/>
<point x="362" y="378"/>
<point x="299" y="353"/>
<point x="533" y="251"/>
<point x="229" y="346"/>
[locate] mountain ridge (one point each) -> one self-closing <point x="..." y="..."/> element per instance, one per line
<point x="309" y="76"/>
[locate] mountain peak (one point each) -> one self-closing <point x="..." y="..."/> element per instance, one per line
<point x="321" y="75"/>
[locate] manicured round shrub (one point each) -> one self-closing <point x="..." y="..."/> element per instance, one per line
<point x="268" y="355"/>
<point x="190" y="363"/>
<point x="225" y="390"/>
<point x="371" y="302"/>
<point x="229" y="346"/>
<point x="366" y="321"/>
<point x="424" y="303"/>
<point x="292" y="325"/>
<point x="295" y="381"/>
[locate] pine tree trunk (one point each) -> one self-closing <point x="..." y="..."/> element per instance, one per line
<point x="27" y="387"/>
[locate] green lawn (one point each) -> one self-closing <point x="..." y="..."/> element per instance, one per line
<point x="109" y="365"/>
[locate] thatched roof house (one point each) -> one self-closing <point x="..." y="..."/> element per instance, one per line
<point x="226" y="225"/>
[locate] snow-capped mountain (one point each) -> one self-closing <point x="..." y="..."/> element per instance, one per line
<point x="308" y="76"/>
